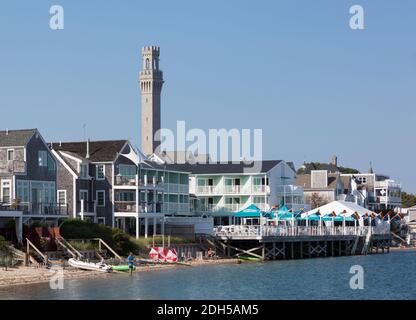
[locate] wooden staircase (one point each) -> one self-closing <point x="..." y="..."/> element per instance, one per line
<point x="35" y="257"/>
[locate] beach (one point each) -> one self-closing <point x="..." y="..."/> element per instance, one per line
<point x="29" y="275"/>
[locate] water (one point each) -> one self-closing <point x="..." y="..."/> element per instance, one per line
<point x="388" y="276"/>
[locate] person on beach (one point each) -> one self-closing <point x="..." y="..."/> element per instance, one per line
<point x="130" y="261"/>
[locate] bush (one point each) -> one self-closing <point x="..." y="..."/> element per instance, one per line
<point x="119" y="241"/>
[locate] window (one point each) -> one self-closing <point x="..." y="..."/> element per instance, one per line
<point x="42" y="158"/>
<point x="10" y="155"/>
<point x="83" y="171"/>
<point x="51" y="163"/>
<point x="5" y="191"/>
<point x="62" y="197"/>
<point x="101" y="220"/>
<point x="127" y="196"/>
<point x="126" y="170"/>
<point x="100" y="198"/>
<point x="100" y="172"/>
<point x="22" y="190"/>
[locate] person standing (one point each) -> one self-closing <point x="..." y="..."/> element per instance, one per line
<point x="130" y="261"/>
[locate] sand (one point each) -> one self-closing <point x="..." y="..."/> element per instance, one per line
<point x="29" y="275"/>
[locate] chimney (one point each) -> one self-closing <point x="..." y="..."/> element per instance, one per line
<point x="60" y="144"/>
<point x="7" y="131"/>
<point x="88" y="149"/>
<point x="334" y="160"/>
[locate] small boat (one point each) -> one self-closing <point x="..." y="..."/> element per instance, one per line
<point x="100" y="266"/>
<point x="122" y="268"/>
<point x="249" y="258"/>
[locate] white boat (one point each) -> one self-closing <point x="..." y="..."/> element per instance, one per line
<point x="100" y="266"/>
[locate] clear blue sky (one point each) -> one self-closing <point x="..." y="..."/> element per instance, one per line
<point x="293" y="68"/>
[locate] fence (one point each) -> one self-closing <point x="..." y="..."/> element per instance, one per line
<point x="284" y="231"/>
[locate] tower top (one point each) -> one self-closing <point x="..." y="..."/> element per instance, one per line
<point x="151" y="49"/>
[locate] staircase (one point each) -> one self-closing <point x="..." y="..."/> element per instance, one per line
<point x="207" y="241"/>
<point x="35" y="257"/>
<point x="354" y="247"/>
<point x="68" y="250"/>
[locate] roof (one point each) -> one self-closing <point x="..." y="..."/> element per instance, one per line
<point x="331" y="168"/>
<point x="16" y="138"/>
<point x="100" y="151"/>
<point x="304" y="180"/>
<point x="340" y="207"/>
<point x="225" y="168"/>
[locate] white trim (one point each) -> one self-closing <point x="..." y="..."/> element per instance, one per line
<point x="83" y="190"/>
<point x="102" y="219"/>
<point x="96" y="172"/>
<point x="7" y="154"/>
<point x="57" y="197"/>
<point x="10" y="190"/>
<point x="70" y="156"/>
<point x="74" y="196"/>
<point x="96" y="198"/>
<point x="62" y="161"/>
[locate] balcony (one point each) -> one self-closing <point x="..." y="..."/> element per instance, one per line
<point x="387" y="184"/>
<point x="86" y="207"/>
<point x="53" y="209"/>
<point x="289" y="189"/>
<point x="125" y="206"/>
<point x="176" y="188"/>
<point x="260" y="189"/>
<point x="125" y="180"/>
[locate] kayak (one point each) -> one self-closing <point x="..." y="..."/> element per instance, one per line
<point x="89" y="265"/>
<point x="122" y="268"/>
<point x="249" y="258"/>
<point x="150" y="261"/>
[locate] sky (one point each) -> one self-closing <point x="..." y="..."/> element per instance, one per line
<point x="294" y="69"/>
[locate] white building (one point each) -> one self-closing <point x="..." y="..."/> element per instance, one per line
<point x="220" y="189"/>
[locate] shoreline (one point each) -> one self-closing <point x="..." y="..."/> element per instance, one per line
<point x="23" y="275"/>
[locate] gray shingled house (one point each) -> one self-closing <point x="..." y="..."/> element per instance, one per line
<point x="27" y="179"/>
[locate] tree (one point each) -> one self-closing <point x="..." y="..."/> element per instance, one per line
<point x="316" y="200"/>
<point x="408" y="200"/>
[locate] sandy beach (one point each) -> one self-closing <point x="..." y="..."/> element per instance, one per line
<point x="28" y="275"/>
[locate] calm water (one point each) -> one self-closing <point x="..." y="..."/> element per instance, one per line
<point x="389" y="276"/>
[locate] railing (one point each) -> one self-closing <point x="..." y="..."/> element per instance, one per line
<point x="126" y="180"/>
<point x="37" y="208"/>
<point x="86" y="206"/>
<point x="125" y="206"/>
<point x="284" y="231"/>
<point x="260" y="189"/>
<point x="176" y="187"/>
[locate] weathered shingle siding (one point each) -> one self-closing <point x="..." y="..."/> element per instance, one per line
<point x="105" y="185"/>
<point x="34" y="171"/>
<point x="65" y="181"/>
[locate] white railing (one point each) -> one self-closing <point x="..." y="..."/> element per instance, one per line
<point x="284" y="231"/>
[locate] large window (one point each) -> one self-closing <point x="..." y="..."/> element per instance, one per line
<point x="125" y="196"/>
<point x="126" y="170"/>
<point x="100" y="173"/>
<point x="42" y="158"/>
<point x="22" y="190"/>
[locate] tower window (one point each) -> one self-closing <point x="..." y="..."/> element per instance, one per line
<point x="147" y="63"/>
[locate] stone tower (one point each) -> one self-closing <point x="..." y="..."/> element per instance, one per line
<point x="151" y="82"/>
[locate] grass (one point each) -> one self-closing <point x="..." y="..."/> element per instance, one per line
<point x="83" y="246"/>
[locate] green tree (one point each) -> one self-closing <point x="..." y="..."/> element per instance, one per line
<point x="408" y="200"/>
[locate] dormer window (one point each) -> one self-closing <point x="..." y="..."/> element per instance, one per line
<point x="100" y="175"/>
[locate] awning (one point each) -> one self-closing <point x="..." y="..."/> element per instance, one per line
<point x="252" y="211"/>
